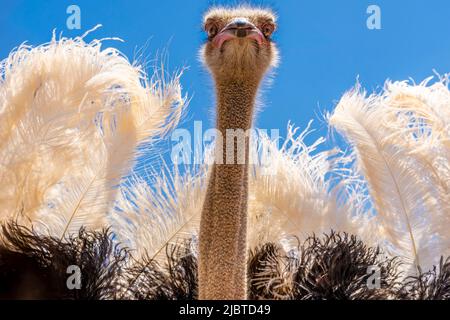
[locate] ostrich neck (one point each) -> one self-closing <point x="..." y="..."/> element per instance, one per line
<point x="223" y="227"/>
<point x="235" y="104"/>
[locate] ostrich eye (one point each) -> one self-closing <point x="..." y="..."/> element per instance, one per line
<point x="212" y="30"/>
<point x="267" y="29"/>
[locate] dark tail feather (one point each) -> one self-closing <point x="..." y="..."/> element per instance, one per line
<point x="39" y="267"/>
<point x="431" y="285"/>
<point x="334" y="266"/>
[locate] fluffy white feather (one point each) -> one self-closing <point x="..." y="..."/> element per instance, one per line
<point x="71" y="117"/>
<point x="399" y="138"/>
<point x="159" y="209"/>
<point x="293" y="191"/>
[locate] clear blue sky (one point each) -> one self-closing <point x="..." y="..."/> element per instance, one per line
<point x="324" y="45"/>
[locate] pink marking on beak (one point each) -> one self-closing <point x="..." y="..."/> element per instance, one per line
<point x="221" y="37"/>
<point x="257" y="35"/>
<point x="228" y="34"/>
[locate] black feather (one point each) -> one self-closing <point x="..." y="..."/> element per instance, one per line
<point x="334" y="266"/>
<point x="176" y="280"/>
<point x="270" y="273"/>
<point x="36" y="267"/>
<point x="431" y="285"/>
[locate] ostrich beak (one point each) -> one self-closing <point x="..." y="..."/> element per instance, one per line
<point x="238" y="28"/>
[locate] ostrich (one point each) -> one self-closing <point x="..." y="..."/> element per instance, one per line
<point x="68" y="134"/>
<point x="238" y="53"/>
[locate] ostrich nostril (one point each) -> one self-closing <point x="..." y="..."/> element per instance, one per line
<point x="241" y="33"/>
<point x="240" y="27"/>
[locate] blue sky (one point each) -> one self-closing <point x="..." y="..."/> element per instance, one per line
<point x="325" y="45"/>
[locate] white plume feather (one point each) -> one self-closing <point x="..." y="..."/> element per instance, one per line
<point x="399" y="145"/>
<point x="159" y="209"/>
<point x="292" y="192"/>
<point x="71" y="117"/>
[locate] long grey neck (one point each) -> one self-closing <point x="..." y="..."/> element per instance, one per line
<point x="235" y="104"/>
<point x="223" y="227"/>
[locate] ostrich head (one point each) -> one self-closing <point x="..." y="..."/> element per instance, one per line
<point x="239" y="43"/>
